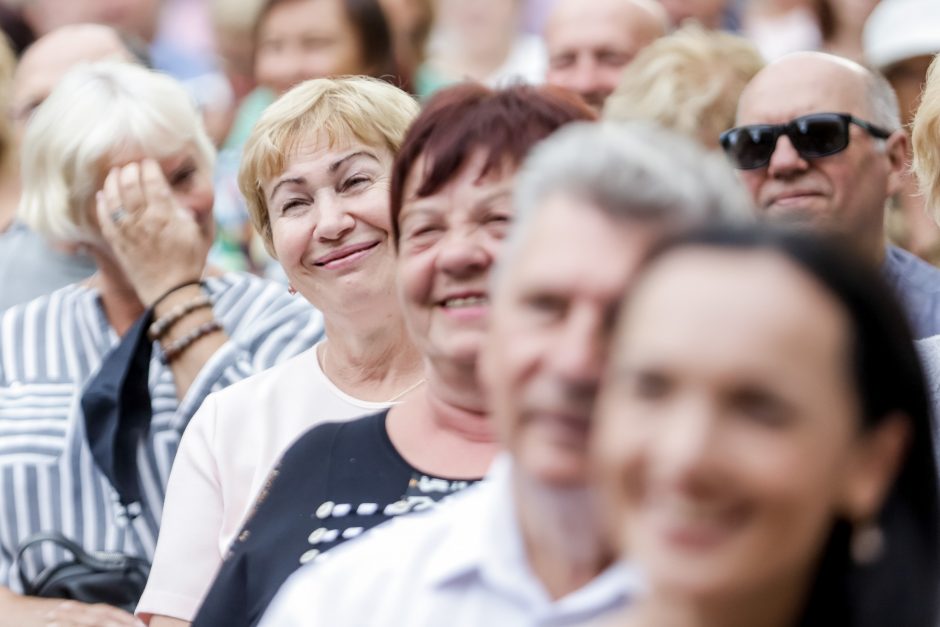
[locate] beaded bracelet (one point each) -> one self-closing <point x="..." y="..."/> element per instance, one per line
<point x="176" y="348"/>
<point x="159" y="328"/>
<point x="175" y="288"/>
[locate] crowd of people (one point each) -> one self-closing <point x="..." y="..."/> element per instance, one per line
<point x="439" y="312"/>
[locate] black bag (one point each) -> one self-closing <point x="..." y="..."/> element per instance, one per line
<point x="111" y="578"/>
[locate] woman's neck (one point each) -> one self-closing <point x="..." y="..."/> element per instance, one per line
<point x="122" y="306"/>
<point x="9" y="196"/>
<point x="372" y="360"/>
<point x="442" y="428"/>
<point x="777" y="605"/>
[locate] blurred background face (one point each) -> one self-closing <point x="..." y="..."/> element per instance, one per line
<point x="135" y="17"/>
<point x="708" y="13"/>
<point x="330" y="223"/>
<point x="49" y="59"/>
<point x="728" y="426"/>
<point x="448" y="243"/>
<point x="550" y="329"/>
<point x="303" y="39"/>
<point x="589" y="44"/>
<point x="478" y="25"/>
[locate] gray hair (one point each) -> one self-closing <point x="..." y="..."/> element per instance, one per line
<point x="634" y="170"/>
<point x="94" y="113"/>
<point x="882" y="101"/>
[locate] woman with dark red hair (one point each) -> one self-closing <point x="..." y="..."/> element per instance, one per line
<point x="450" y="204"/>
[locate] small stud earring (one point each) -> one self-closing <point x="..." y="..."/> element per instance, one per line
<point x="291" y="290"/>
<point x="867" y="544"/>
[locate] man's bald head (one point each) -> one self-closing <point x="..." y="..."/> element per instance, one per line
<point x="589" y="43"/>
<point x="844" y="191"/>
<point x="45" y="62"/>
<point x="810" y="80"/>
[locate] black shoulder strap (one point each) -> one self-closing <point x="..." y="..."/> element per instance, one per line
<point x="46" y="536"/>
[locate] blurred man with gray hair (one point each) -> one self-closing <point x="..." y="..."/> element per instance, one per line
<point x="524" y="548"/>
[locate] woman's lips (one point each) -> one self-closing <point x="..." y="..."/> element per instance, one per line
<point x="465" y="306"/>
<point x="345" y="256"/>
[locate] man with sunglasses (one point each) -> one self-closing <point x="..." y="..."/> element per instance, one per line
<point x="819" y="143"/>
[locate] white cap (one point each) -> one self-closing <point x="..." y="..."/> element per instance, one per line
<point x="901" y="29"/>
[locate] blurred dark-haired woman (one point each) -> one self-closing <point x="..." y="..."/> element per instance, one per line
<point x="768" y="460"/>
<point x="450" y="211"/>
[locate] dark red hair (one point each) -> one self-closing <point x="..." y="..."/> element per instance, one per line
<point x="459" y="120"/>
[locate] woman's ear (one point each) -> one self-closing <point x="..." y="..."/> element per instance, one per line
<point x="874" y="465"/>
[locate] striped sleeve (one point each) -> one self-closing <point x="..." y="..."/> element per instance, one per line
<point x="265" y="326"/>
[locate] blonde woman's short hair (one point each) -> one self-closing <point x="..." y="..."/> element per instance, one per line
<point x="925" y="137"/>
<point x="95" y="114"/>
<point x="354" y="108"/>
<point x="689" y="81"/>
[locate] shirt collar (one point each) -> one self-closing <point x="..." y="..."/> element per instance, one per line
<point x="484" y="541"/>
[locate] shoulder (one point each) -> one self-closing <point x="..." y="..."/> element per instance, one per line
<point x="349" y="435"/>
<point x="906" y="268"/>
<point x="251" y="295"/>
<point x="929" y="350"/>
<point x="67" y="319"/>
<point x="288" y="378"/>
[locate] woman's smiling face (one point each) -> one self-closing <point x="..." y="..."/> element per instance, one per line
<point x="448" y="243"/>
<point x="728" y="431"/>
<point x="329" y="214"/>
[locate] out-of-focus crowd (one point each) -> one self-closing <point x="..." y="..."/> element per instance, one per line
<point x="469" y="312"/>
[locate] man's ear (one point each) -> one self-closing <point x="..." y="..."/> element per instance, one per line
<point x="897" y="151"/>
<point x="876" y="461"/>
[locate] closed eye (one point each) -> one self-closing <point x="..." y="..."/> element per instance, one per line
<point x="182" y="176"/>
<point x="354" y="182"/>
<point x="292" y="203"/>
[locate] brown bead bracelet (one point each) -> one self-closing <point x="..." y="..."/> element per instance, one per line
<point x="178" y="346"/>
<point x="159" y="328"/>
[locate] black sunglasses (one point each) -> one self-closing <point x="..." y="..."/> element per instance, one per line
<point x="813" y="136"/>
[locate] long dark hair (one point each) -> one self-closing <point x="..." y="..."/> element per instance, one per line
<point x="901" y="588"/>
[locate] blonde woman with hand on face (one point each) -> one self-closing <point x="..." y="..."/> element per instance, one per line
<point x="764" y="440"/>
<point x="315" y="173"/>
<point x="93" y="397"/>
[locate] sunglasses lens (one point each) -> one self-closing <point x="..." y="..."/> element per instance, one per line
<point x="749" y="147"/>
<point x="819" y="135"/>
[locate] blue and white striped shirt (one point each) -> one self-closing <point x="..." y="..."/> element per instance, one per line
<point x="49" y="350"/>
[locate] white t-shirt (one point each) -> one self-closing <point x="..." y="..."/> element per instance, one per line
<point x="225" y="455"/>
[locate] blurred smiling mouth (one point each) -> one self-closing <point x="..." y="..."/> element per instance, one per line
<point x="695" y="526"/>
<point x="345" y="256"/>
<point x="466" y="305"/>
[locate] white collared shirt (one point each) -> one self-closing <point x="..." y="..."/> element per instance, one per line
<point x="461" y="564"/>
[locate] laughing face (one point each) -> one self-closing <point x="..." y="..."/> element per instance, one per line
<point x="449" y="241"/>
<point x="728" y="434"/>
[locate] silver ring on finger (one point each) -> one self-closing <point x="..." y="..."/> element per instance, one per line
<point x="118" y="215"/>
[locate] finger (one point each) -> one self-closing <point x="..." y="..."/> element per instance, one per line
<point x="107" y="201"/>
<point x="155" y="187"/>
<point x="131" y="189"/>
